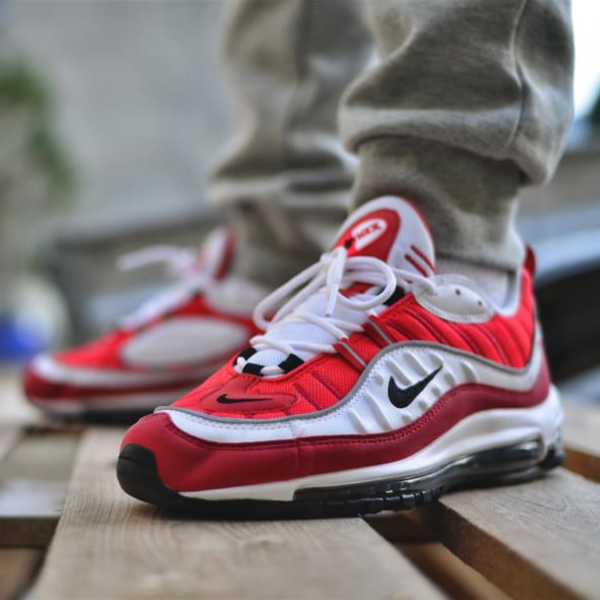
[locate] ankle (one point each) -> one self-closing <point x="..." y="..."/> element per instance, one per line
<point x="493" y="282"/>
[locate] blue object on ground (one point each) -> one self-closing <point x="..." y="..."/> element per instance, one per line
<point x="19" y="339"/>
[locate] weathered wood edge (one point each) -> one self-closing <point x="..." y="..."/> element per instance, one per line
<point x="532" y="540"/>
<point x="150" y="555"/>
<point x="582" y="439"/>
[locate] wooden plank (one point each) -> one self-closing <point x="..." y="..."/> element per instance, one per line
<point x="536" y="540"/>
<point x="452" y="575"/>
<point x="17" y="570"/>
<point x="582" y="462"/>
<point x="108" y="545"/>
<point x="29" y="512"/>
<point x="33" y="486"/>
<point x="406" y="527"/>
<point x="582" y="438"/>
<point x="9" y="435"/>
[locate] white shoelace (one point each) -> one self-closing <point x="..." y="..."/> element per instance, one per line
<point x="181" y="263"/>
<point x="317" y="290"/>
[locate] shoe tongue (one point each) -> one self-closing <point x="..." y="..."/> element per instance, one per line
<point x="216" y="254"/>
<point x="393" y="230"/>
<point x="390" y="229"/>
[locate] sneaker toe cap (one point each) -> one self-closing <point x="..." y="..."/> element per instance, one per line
<point x="186" y="463"/>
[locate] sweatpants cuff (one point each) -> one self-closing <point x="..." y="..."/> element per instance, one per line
<point x="468" y="200"/>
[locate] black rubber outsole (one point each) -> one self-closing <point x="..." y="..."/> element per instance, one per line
<point x="138" y="475"/>
<point x="112" y="417"/>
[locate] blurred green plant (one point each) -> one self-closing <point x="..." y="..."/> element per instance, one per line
<point x="36" y="175"/>
<point x="23" y="91"/>
<point x="20" y="85"/>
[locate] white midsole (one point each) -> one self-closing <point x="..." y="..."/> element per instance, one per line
<point x="116" y="403"/>
<point x="480" y="431"/>
<point x="46" y="367"/>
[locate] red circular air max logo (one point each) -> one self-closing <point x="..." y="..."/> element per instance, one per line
<point x="367" y="232"/>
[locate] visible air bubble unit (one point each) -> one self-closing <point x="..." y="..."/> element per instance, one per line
<point x="138" y="476"/>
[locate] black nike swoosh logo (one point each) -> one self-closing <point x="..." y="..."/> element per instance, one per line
<point x="401" y="398"/>
<point x="223" y="399"/>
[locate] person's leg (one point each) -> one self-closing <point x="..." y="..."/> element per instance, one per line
<point x="286" y="175"/>
<point x="471" y="100"/>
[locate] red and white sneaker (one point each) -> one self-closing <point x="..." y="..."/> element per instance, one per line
<point x="377" y="385"/>
<point x="173" y="343"/>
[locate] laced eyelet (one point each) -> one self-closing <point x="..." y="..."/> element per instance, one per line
<point x="318" y="297"/>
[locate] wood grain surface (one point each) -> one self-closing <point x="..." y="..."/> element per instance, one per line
<point x="454" y="576"/>
<point x="582" y="438"/>
<point x="33" y="487"/>
<point x="409" y="526"/>
<point x="108" y="545"/>
<point x="536" y="540"/>
<point x="17" y="569"/>
<point x="9" y="435"/>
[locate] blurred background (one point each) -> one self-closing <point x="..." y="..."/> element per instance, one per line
<point x="111" y="113"/>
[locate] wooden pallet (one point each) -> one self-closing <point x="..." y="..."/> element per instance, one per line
<point x="538" y="540"/>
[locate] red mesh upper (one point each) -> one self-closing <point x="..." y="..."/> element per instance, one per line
<point x="102" y="353"/>
<point x="322" y="381"/>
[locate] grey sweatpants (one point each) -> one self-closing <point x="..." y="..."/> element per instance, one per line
<point x="463" y="102"/>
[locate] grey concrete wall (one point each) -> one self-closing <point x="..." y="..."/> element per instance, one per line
<point x="144" y="107"/>
<point x="141" y="100"/>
